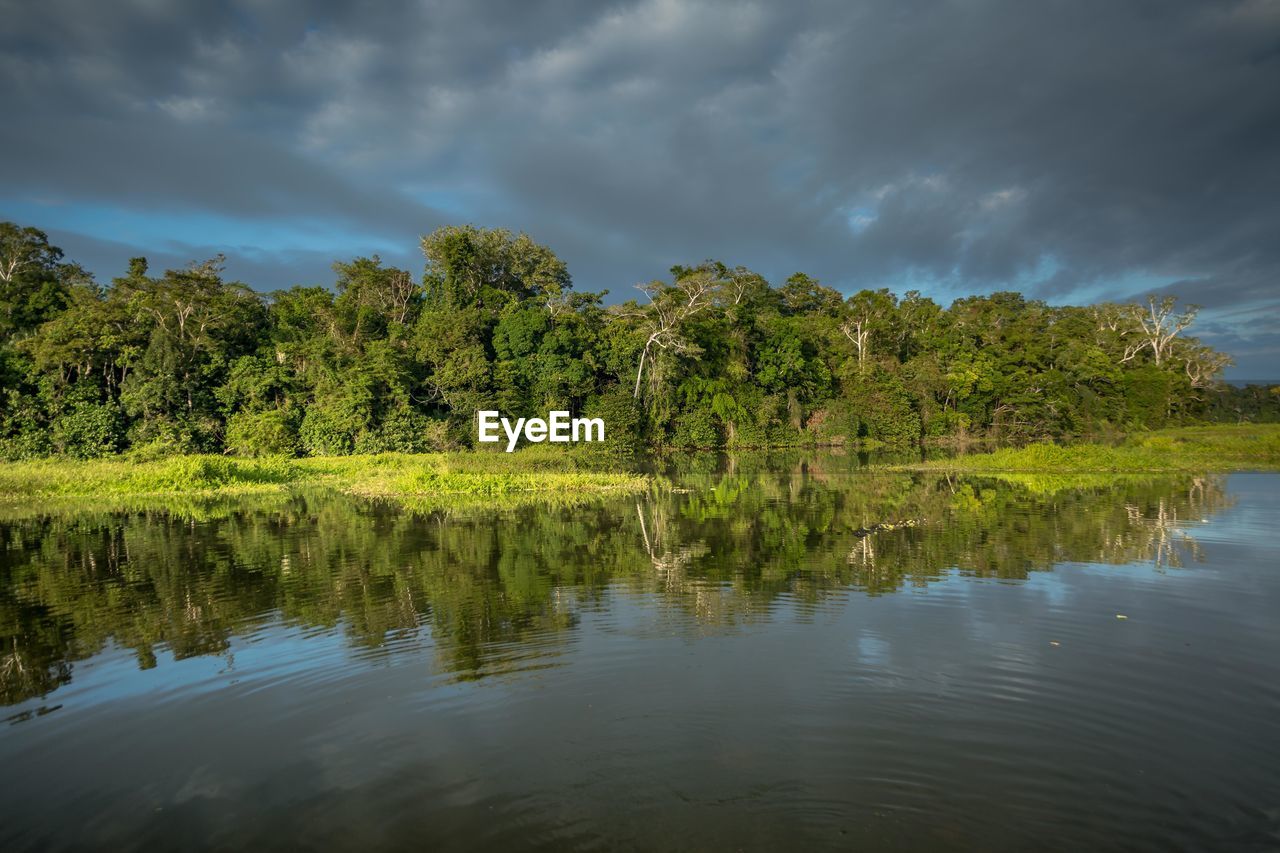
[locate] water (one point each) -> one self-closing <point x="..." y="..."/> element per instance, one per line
<point x="792" y="654"/>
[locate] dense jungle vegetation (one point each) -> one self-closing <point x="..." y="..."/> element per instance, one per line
<point x="183" y="361"/>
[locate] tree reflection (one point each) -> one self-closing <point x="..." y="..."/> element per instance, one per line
<point x="488" y="590"/>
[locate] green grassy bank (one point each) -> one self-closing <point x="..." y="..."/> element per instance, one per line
<point x="391" y="475"/>
<point x="1183" y="449"/>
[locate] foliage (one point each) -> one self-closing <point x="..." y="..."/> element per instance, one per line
<point x="188" y="362"/>
<point x="265" y="433"/>
<point x="533" y="470"/>
<point x="1211" y="448"/>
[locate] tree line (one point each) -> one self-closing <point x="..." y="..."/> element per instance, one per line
<point x="713" y="356"/>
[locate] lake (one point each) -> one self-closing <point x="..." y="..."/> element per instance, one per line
<point x="789" y="652"/>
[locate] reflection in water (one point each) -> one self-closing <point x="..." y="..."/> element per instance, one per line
<point x="722" y="545"/>
<point x="784" y="654"/>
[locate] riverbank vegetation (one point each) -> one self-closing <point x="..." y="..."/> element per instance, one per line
<point x="378" y="360"/>
<point x="1186" y="449"/>
<point x="485" y="476"/>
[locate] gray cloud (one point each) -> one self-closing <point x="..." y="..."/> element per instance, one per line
<point x="1074" y="149"/>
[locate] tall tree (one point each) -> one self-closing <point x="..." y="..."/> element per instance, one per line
<point x="489" y="268"/>
<point x="867" y="311"/>
<point x="670" y="308"/>
<point x="1159" y="325"/>
<point x="33" y="279"/>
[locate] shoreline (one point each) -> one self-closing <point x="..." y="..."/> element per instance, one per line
<point x="465" y="475"/>
<point x="545" y="474"/>
<point x="1207" y="448"/>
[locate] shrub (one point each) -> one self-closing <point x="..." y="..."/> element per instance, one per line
<point x="89" y="429"/>
<point x="268" y="433"/>
<point x="1147" y="392"/>
<point x="405" y="431"/>
<point x="329" y="430"/>
<point x="174" y="436"/>
<point x="885" y="412"/>
<point x="696" y="428"/>
<point x="623" y="420"/>
<point x="945" y="423"/>
<point x="22" y="435"/>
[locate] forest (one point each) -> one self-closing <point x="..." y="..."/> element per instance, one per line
<point x="184" y="361"/>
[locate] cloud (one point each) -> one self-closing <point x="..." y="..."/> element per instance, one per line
<point x="1075" y="150"/>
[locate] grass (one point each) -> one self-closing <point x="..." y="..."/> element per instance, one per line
<point x="118" y="477"/>
<point x="1182" y="449"/>
<point x="476" y="475"/>
<point x="556" y="475"/>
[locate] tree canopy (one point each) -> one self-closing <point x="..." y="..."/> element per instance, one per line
<point x="710" y="356"/>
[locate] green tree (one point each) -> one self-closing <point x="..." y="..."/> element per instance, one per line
<point x="33" y="279"/>
<point x="470" y="266"/>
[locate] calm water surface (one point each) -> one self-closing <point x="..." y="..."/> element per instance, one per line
<point x="782" y="654"/>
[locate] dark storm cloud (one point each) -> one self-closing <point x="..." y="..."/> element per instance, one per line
<point x="168" y="166"/>
<point x="1074" y="149"/>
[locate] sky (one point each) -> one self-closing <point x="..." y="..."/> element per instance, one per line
<point x="1075" y="150"/>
